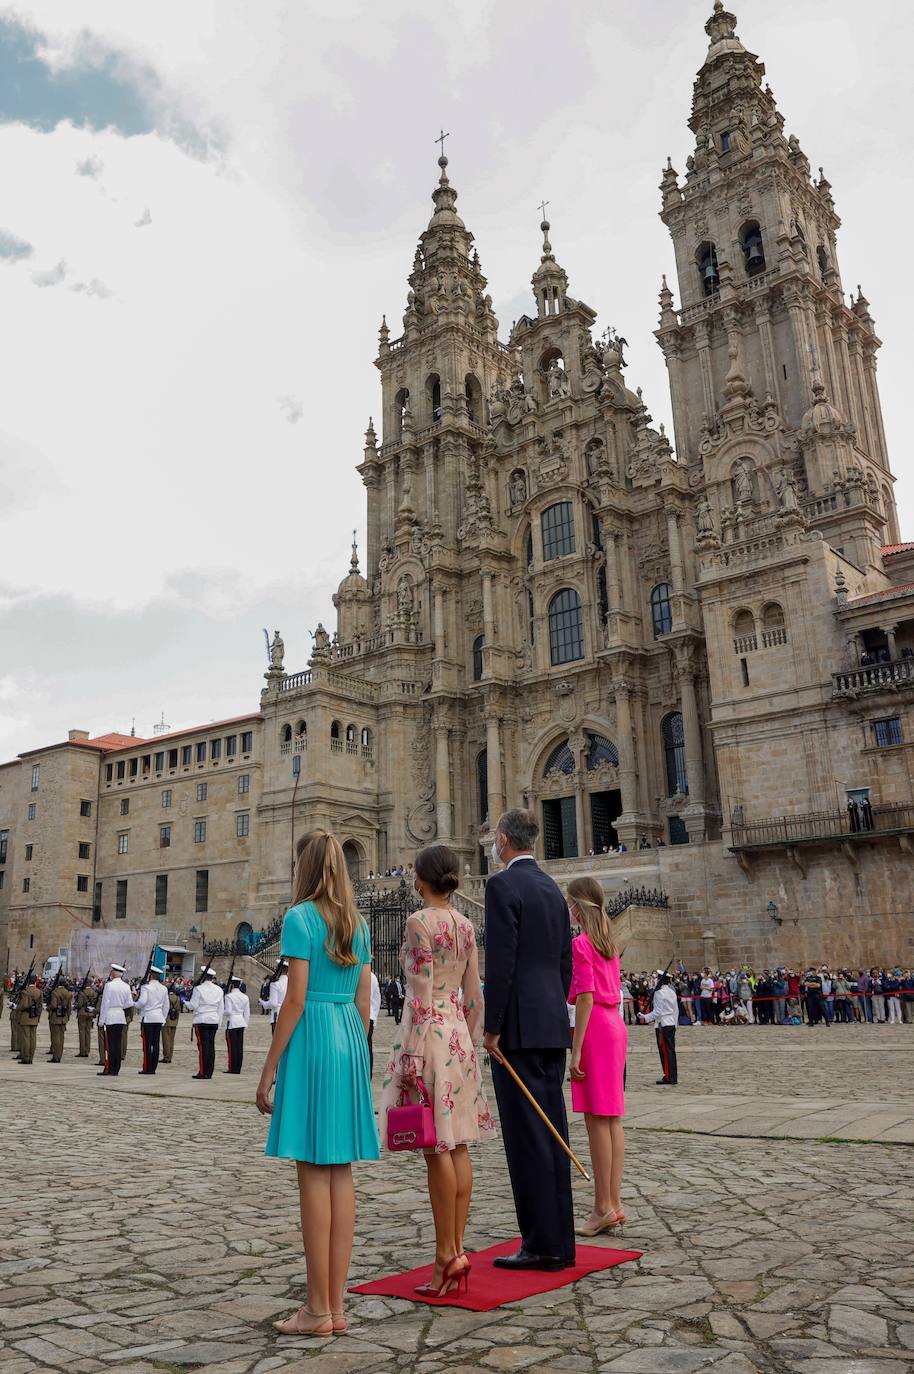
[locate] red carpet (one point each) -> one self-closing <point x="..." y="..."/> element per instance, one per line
<point x="490" y="1287"/>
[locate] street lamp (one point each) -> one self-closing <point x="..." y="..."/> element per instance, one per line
<point x="773" y="913"/>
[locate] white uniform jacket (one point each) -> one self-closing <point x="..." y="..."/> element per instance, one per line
<point x="152" y="1003"/>
<point x="206" y="1003"/>
<point x="375" y="1009"/>
<point x="237" y="1009"/>
<point x="666" y="1008"/>
<point x="116" y="997"/>
<point x="277" y="995"/>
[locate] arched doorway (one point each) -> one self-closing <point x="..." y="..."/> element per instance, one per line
<point x="244" y="935"/>
<point x="352" y="853"/>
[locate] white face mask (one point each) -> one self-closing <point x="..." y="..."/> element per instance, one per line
<point x="496" y="857"/>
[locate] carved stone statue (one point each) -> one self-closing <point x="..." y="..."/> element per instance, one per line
<point x="557" y="381"/>
<point x="787" y="491"/>
<point x="703" y="517"/>
<point x="321" y="651"/>
<point x="742" y="484"/>
<point x="405" y="601"/>
<point x="277" y="652"/>
<point x="518" y="488"/>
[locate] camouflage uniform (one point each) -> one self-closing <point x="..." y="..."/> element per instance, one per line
<point x="30" y="1007"/>
<point x="60" y="1005"/>
<point x="86" y="1011"/>
<point x="171" y="1026"/>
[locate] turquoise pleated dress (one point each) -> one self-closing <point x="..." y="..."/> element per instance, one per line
<point x="322" y="1109"/>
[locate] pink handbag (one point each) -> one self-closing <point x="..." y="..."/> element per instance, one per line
<point x="411" y="1125"/>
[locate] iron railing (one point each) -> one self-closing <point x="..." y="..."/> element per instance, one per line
<point x="637" y="896"/>
<point x="253" y="945"/>
<point x="890" y="818"/>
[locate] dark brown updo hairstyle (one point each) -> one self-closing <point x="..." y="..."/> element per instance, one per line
<point x="438" y="866"/>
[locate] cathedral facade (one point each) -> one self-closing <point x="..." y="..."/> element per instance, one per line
<point x="699" y="647"/>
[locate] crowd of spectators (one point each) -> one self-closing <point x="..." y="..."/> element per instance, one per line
<point x="780" y="996"/>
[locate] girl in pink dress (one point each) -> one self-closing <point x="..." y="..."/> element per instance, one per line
<point x="598" y="1050"/>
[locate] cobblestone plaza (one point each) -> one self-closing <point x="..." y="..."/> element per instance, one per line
<point x="143" y="1232"/>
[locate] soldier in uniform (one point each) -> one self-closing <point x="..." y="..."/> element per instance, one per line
<point x="171" y="1026"/>
<point x="87" y="1003"/>
<point x="206" y="1003"/>
<point x="237" y="1018"/>
<point x="100" y="1029"/>
<point x="152" y="1006"/>
<point x="60" y="1004"/>
<point x="29" y="1011"/>
<point x="14" y="1021"/>
<point x="117" y="1000"/>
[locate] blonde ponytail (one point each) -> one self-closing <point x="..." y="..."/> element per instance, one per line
<point x="590" y="900"/>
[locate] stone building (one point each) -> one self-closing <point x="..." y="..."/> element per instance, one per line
<point x="698" y="646"/>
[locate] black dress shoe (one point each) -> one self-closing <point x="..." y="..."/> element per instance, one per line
<point x="103" y="1074"/>
<point x="198" y="1075"/>
<point x="523" y="1259"/>
<point x="665" y="1083"/>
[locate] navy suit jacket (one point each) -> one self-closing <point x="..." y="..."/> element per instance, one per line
<point x="528" y="959"/>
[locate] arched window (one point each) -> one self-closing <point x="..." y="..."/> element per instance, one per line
<point x="671" y="732"/>
<point x="473" y="393"/>
<point x="566" y="627"/>
<point x="401" y="405"/>
<point x="744" y="639"/>
<point x="301" y="729"/>
<point x="285" y="734"/>
<point x="558" y="530"/>
<point x="601" y="750"/>
<point x="350" y="734"/>
<point x="662" y="609"/>
<point x="366" y="737"/>
<point x="773" y="616"/>
<point x="708" y="271"/>
<point x="334" y="729"/>
<point x="891" y="516"/>
<point x="753" y="249"/>
<point x="561" y="760"/>
<point x="482" y="785"/>
<point x="433" y="390"/>
<point x="478" y="645"/>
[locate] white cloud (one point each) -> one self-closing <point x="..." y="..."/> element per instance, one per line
<point x="292" y="408"/>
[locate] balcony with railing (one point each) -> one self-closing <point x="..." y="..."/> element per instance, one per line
<point x="816" y="827"/>
<point x="888" y="676"/>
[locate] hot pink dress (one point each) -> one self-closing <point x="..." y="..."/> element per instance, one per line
<point x="601" y="1091"/>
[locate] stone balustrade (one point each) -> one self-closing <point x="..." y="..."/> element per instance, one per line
<point x="878" y="677"/>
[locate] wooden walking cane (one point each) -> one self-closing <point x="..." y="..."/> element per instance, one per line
<point x="497" y="1054"/>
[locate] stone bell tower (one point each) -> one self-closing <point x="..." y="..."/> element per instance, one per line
<point x="764" y="327"/>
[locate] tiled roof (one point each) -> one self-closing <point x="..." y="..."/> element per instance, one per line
<point x="889" y="549"/>
<point x="110" y="741"/>
<point x="887" y="594"/>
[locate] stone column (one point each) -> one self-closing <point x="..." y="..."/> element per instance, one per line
<point x="438" y="624"/>
<point x="889" y="632"/>
<point x="673" y="535"/>
<point x="443" y="782"/>
<point x="579" y="813"/>
<point x="493" y="767"/>
<point x="628" y="772"/>
<point x="488" y="609"/>
<point x="691" y="729"/>
<point x="613" y="583"/>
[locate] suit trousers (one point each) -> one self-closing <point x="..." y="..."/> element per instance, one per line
<point x="114" y="1048"/>
<point x="151" y="1031"/>
<point x="539" y="1169"/>
<point x="666" y="1044"/>
<point x="234" y="1041"/>
<point x="206" y="1045"/>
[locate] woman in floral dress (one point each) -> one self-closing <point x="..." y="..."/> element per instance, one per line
<point x="436" y="1053"/>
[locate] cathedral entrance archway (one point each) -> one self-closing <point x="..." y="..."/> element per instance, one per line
<point x="244" y="935"/>
<point x="354" y="856"/>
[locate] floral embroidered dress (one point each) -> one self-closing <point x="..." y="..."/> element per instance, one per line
<point x="441" y="968"/>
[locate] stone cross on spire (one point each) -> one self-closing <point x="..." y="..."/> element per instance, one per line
<point x="440" y="139"/>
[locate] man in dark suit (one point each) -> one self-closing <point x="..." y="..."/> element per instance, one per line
<point x="527" y="978"/>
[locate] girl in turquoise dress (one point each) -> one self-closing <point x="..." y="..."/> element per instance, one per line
<point x="322" y="1116"/>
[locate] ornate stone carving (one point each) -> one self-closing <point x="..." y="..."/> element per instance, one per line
<point x="421" y="824"/>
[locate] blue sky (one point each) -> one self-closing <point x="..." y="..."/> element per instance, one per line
<point x="206" y="210"/>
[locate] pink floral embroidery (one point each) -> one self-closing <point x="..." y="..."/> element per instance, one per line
<point x="455" y="1048"/>
<point x="468" y="938"/>
<point x="418" y="958"/>
<point x="392" y="1068"/>
<point x="485" y="1120"/>
<point x="473" y="1060"/>
<point x="455" y="1000"/>
<point x="420" y="1013"/>
<point x="444" y="939"/>
<point x="446" y="1099"/>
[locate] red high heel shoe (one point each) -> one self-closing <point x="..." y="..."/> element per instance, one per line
<point x="451" y="1279"/>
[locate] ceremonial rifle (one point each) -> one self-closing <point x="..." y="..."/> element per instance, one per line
<point x="145" y="977"/>
<point x="49" y="991"/>
<point x="23" y="982"/>
<point x="226" y="986"/>
<point x="196" y="984"/>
